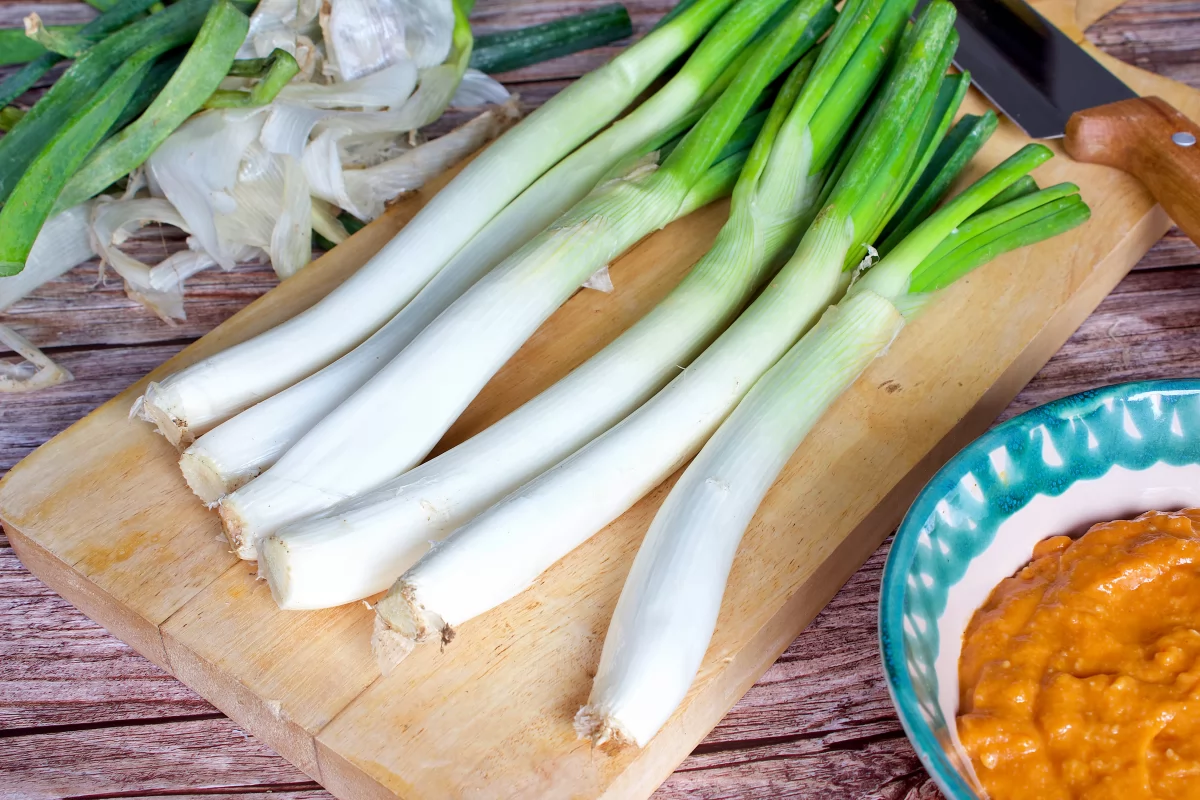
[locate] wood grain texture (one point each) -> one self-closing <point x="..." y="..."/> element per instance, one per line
<point x="1145" y="324"/>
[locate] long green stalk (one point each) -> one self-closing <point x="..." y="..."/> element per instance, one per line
<point x="546" y="517"/>
<point x="280" y="68"/>
<point x="33" y="197"/>
<point x="193" y="400"/>
<point x="17" y="48"/>
<point x="667" y="612"/>
<point x="199" y="74"/>
<point x="119" y="15"/>
<point x="311" y="563"/>
<point x="78" y="85"/>
<point x="509" y="50"/>
<point x="347" y="453"/>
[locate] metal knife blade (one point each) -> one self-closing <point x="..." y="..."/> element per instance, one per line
<point x="1028" y="68"/>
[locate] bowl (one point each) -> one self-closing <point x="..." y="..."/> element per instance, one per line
<point x="1110" y="453"/>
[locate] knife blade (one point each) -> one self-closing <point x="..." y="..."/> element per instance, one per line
<point x="1050" y="87"/>
<point x="1028" y="68"/>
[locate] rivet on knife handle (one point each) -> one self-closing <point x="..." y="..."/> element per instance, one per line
<point x="1150" y="140"/>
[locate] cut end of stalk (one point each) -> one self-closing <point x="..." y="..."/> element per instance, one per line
<point x="236" y="531"/>
<point x="389" y="646"/>
<point x="601" y="728"/>
<point x="273" y="567"/>
<point x="204" y="477"/>
<point x="149" y="409"/>
<point x="401" y="623"/>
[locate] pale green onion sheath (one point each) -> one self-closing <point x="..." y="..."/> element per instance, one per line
<point x="546" y="518"/>
<point x="395" y="419"/>
<point x="191" y="401"/>
<point x="667" y="612"/>
<point x="669" y="605"/>
<point x="360" y="547"/>
<point x="239" y="449"/>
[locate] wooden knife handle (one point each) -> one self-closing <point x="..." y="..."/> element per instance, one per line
<point x="1150" y="140"/>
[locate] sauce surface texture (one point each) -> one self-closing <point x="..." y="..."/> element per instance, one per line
<point x="1080" y="677"/>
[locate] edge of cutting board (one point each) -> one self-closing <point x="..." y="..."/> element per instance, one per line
<point x="96" y="516"/>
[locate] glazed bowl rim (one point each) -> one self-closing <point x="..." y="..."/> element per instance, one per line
<point x="894" y="584"/>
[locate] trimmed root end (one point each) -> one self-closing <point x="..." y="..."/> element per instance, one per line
<point x="235" y="532"/>
<point x="600" y="727"/>
<point x="389" y="645"/>
<point x="204" y="478"/>
<point x="175" y="430"/>
<point x="401" y="623"/>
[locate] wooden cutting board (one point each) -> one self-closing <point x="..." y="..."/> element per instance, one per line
<point x="101" y="514"/>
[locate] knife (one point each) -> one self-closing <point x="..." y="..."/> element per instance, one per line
<point x="1051" y="87"/>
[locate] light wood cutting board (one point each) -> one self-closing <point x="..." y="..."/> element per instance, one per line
<point x="101" y="514"/>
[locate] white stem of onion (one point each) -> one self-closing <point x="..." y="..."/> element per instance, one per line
<point x="668" y="608"/>
<point x="194" y="399"/>
<point x="350" y="452"/>
<point x="360" y="547"/>
<point x="500" y="552"/>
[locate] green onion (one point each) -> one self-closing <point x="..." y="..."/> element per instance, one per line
<point x="667" y="612"/>
<point x="17" y="48"/>
<point x="79" y="84"/>
<point x="307" y="563"/>
<point x="200" y="72"/>
<point x="959" y="147"/>
<point x="66" y="43"/>
<point x="33" y="197"/>
<point x="279" y="68"/>
<point x="543" y="519"/>
<point x="509" y="50"/>
<point x="121" y="14"/>
<point x="195" y="399"/>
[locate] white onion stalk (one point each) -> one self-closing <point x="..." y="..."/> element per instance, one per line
<point x="192" y="400"/>
<point x="260" y="507"/>
<point x="668" y="608"/>
<point x="239" y="449"/>
<point x="451" y="360"/>
<point x="360" y="547"/>
<point x="499" y="553"/>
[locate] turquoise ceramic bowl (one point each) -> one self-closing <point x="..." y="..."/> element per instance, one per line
<point x="1106" y="454"/>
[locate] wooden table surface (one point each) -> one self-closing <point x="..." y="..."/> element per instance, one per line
<point x="84" y="716"/>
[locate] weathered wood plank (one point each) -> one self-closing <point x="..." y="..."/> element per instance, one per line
<point x="159" y="758"/>
<point x="58" y="668"/>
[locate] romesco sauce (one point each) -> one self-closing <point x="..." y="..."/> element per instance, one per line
<point x="1080" y="676"/>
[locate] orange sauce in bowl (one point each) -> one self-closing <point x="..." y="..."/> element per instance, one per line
<point x="1080" y="677"/>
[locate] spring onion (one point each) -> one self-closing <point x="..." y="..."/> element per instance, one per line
<point x="199" y="73"/>
<point x="538" y="523"/>
<point x="347" y="452"/>
<point x="32" y="198"/>
<point x="358" y="548"/>
<point x="668" y="608"/>
<point x="509" y="50"/>
<point x="120" y="14"/>
<point x="78" y="86"/>
<point x="240" y="448"/>
<point x="193" y="400"/>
